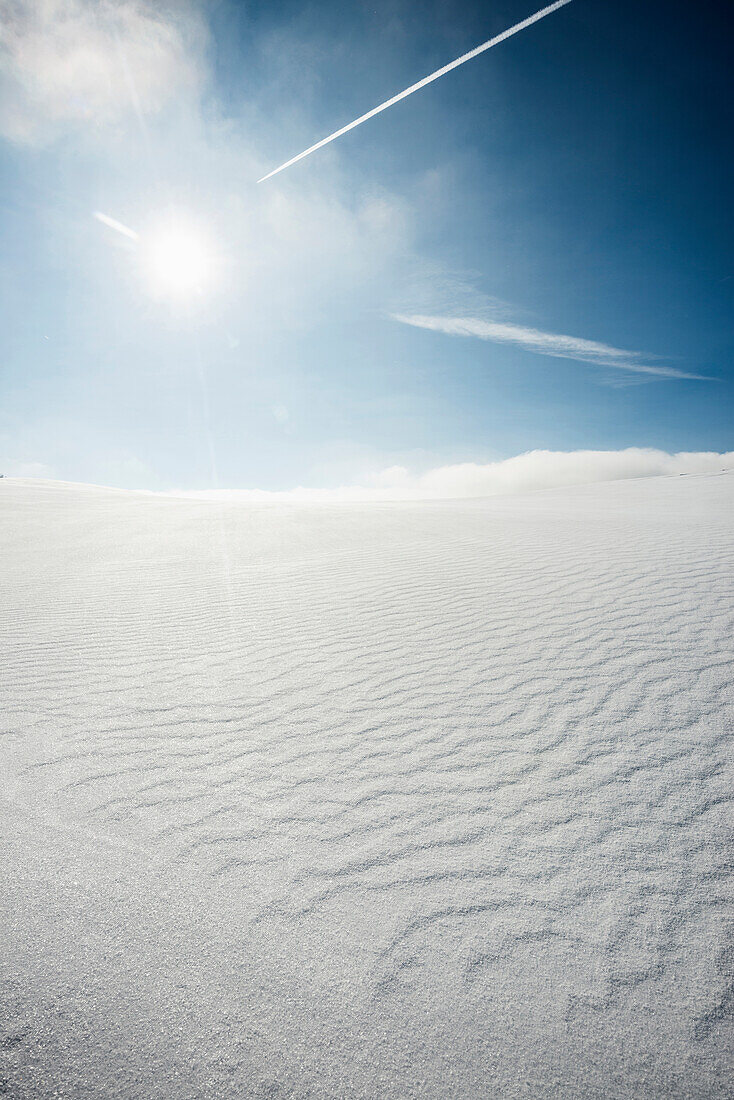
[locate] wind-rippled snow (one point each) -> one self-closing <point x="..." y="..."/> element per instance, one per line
<point x="385" y="800"/>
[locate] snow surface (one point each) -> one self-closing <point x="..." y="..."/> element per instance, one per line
<point x="371" y="800"/>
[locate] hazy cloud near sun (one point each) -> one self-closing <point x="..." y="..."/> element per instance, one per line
<point x="88" y="63"/>
<point x="316" y="253"/>
<point x="76" y="68"/>
<point x="544" y="343"/>
<point x="523" y="473"/>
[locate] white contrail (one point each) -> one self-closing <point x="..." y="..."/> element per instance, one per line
<point x="112" y="223"/>
<point x="422" y="83"/>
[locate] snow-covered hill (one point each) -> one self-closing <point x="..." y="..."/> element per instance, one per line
<point x="367" y="800"/>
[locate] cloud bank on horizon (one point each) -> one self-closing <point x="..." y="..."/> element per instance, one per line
<point x="527" y="472"/>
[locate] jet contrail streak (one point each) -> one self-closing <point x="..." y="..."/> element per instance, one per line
<point x="421" y="84"/>
<point x="112" y="223"/>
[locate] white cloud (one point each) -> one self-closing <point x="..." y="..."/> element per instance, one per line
<point x="17" y="468"/>
<point x="523" y="473"/>
<point x="543" y="343"/>
<point x="90" y="62"/>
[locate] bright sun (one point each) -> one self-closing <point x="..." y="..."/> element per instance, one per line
<point x="178" y="261"/>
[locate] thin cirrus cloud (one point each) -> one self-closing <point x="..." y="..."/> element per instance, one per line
<point x="545" y="343"/>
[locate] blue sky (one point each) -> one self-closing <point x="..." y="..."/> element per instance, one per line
<point x="393" y="300"/>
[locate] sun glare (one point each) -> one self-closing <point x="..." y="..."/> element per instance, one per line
<point x="178" y="261"/>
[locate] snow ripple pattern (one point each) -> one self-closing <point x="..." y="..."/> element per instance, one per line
<point x="468" y="735"/>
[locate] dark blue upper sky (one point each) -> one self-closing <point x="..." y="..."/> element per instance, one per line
<point x="576" y="180"/>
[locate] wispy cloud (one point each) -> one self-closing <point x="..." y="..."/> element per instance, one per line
<point x="89" y="62"/>
<point x="545" y="343"/>
<point x="523" y="473"/>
